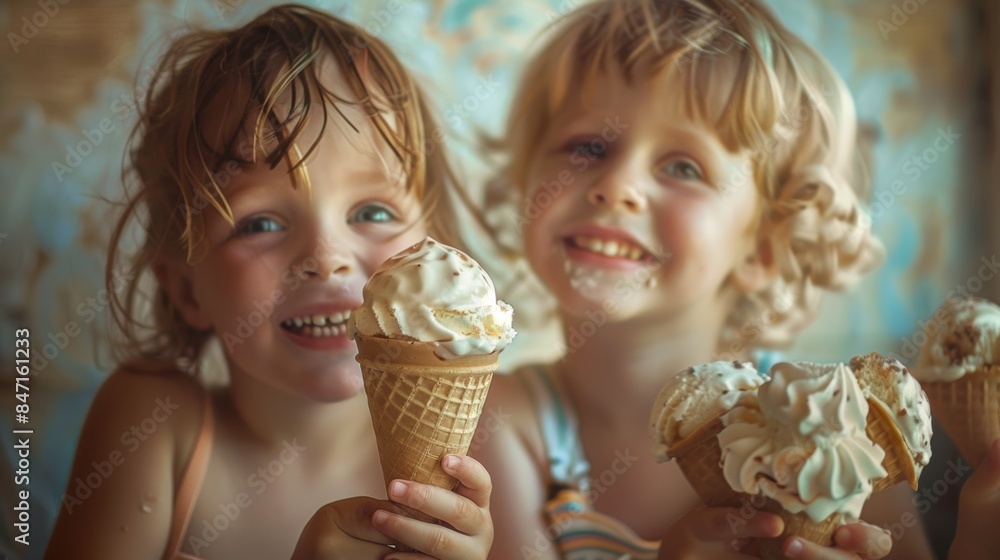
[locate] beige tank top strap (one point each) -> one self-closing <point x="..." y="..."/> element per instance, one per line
<point x="191" y="480"/>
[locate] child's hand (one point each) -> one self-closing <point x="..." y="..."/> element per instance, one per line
<point x="978" y="510"/>
<point x="851" y="542"/>
<point x="468" y="533"/>
<point x="343" y="529"/>
<point x="362" y="528"/>
<point x="709" y="533"/>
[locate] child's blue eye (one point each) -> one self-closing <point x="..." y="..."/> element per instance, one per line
<point x="372" y="213"/>
<point x="259" y="224"/>
<point x="683" y="169"/>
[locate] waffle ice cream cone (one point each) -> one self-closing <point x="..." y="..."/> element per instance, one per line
<point x="422" y="407"/>
<point x="429" y="333"/>
<point x="959" y="368"/>
<point x="700" y="459"/>
<point x="689" y="414"/>
<point x="897" y="462"/>
<point x="969" y="410"/>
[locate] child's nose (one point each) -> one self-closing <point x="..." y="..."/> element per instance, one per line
<point x="328" y="259"/>
<point x="617" y="191"/>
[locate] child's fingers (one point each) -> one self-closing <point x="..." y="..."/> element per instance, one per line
<point x="984" y="483"/>
<point x="353" y="517"/>
<point x="343" y="529"/>
<point x="436" y="541"/>
<point x="801" y="549"/>
<point x="864" y="539"/>
<point x="473" y="480"/>
<point x="458" y="511"/>
<point x="717" y="524"/>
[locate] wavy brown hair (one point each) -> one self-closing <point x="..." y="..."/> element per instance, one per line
<point x="180" y="156"/>
<point x="771" y="94"/>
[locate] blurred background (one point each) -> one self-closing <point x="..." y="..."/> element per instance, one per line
<point x="924" y="75"/>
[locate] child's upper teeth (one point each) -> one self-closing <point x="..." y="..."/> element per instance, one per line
<point x="319" y="321"/>
<point x="610" y="247"/>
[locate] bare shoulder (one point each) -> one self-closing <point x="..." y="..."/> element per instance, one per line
<point x="137" y="437"/>
<point x="511" y="407"/>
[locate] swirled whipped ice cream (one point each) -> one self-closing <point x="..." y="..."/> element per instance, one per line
<point x="431" y="292"/>
<point x="809" y="450"/>
<point x="966" y="337"/>
<point x="696" y="396"/>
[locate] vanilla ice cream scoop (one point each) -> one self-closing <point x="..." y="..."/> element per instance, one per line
<point x="808" y="451"/>
<point x="431" y="292"/>
<point x="698" y="395"/>
<point x="966" y="337"/>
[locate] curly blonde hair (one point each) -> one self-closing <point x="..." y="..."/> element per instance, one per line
<point x="780" y="100"/>
<point x="178" y="162"/>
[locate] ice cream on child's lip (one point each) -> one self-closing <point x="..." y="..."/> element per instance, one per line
<point x="809" y="450"/>
<point x="431" y="292"/>
<point x="966" y="337"/>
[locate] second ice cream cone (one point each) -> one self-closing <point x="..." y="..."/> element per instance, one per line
<point x="969" y="410"/>
<point x="700" y="458"/>
<point x="422" y="407"/>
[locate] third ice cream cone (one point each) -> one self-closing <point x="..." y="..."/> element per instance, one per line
<point x="969" y="410"/>
<point x="959" y="368"/>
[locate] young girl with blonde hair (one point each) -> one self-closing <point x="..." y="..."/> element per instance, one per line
<point x="276" y="166"/>
<point x="686" y="184"/>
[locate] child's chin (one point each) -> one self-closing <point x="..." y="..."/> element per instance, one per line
<point x="337" y="386"/>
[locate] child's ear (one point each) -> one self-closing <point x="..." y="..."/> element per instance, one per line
<point x="174" y="277"/>
<point x="757" y="269"/>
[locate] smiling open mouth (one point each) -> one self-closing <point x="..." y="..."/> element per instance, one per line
<point x="612" y="248"/>
<point x="318" y="326"/>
